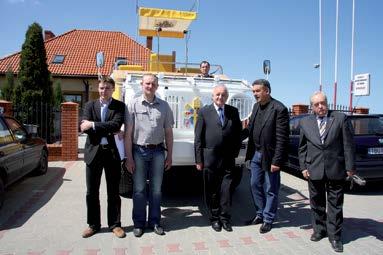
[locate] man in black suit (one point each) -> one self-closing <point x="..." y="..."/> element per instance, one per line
<point x="217" y="144"/>
<point x="268" y="133"/>
<point x="102" y="118"/>
<point x="326" y="156"/>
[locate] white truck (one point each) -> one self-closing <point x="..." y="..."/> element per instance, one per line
<point x="186" y="94"/>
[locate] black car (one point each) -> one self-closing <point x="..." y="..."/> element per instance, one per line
<point x="20" y="153"/>
<point x="368" y="137"/>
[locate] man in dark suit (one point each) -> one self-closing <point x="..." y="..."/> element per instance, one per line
<point x="217" y="144"/>
<point x="103" y="117"/>
<point x="268" y="133"/>
<point x="326" y="156"/>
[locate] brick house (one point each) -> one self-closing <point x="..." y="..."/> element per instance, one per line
<point x="71" y="58"/>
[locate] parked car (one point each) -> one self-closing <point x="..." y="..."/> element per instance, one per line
<point x="20" y="153"/>
<point x="368" y="137"/>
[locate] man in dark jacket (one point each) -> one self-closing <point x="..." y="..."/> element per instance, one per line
<point x="268" y="133"/>
<point x="102" y="118"/>
<point x="326" y="156"/>
<point x="217" y="144"/>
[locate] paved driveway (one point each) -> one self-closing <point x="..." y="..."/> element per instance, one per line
<point x="46" y="215"/>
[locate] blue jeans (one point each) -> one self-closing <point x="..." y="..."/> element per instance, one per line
<point x="149" y="165"/>
<point x="264" y="188"/>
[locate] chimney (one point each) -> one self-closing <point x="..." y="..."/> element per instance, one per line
<point x="48" y="35"/>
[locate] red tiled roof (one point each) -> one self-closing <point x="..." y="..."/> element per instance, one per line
<point x="80" y="47"/>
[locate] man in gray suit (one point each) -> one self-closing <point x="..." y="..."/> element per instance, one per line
<point x="326" y="157"/>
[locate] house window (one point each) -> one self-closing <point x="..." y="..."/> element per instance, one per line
<point x="58" y="59"/>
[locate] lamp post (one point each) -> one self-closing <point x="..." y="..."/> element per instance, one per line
<point x="320" y="46"/>
<point x="352" y="55"/>
<point x="336" y="52"/>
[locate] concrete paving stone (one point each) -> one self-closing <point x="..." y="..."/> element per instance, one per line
<point x="47" y="214"/>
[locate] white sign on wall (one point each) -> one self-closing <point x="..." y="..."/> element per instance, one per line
<point x="362" y="84"/>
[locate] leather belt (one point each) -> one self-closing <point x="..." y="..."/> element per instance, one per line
<point x="150" y="146"/>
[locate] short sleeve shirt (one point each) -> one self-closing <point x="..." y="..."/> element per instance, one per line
<point x="149" y="120"/>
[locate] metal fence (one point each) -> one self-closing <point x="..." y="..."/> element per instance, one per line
<point x="41" y="120"/>
<point x="331" y="107"/>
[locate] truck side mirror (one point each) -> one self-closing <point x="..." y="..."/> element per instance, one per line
<point x="266" y="67"/>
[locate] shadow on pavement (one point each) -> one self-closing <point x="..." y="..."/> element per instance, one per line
<point x="183" y="204"/>
<point x="25" y="197"/>
<point x="356" y="228"/>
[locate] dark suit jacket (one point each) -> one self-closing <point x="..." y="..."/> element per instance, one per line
<point x="335" y="155"/>
<point x="215" y="145"/>
<point x="274" y="136"/>
<point x="113" y="121"/>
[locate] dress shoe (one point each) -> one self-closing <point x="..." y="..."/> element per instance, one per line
<point x="88" y="232"/>
<point x="337" y="245"/>
<point x="227" y="226"/>
<point x="216" y="225"/>
<point x="315" y="237"/>
<point x="119" y="232"/>
<point x="138" y="232"/>
<point x="158" y="229"/>
<point x="254" y="221"/>
<point x="266" y="227"/>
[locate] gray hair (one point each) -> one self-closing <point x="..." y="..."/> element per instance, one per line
<point x="221" y="86"/>
<point x="318" y="93"/>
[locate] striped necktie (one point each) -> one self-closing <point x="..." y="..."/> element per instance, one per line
<point x="322" y="128"/>
<point x="221" y="117"/>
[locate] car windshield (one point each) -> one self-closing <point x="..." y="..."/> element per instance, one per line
<point x="368" y="125"/>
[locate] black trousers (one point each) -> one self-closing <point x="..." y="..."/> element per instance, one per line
<point x="103" y="160"/>
<point x="330" y="222"/>
<point x="217" y="192"/>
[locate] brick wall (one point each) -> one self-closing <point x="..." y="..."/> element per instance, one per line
<point x="6" y="108"/>
<point x="361" y="110"/>
<point x="298" y="109"/>
<point x="54" y="152"/>
<point x="69" y="131"/>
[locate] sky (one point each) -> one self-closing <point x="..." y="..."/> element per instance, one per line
<point x="239" y="35"/>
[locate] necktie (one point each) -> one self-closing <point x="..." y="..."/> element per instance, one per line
<point x="221" y="117"/>
<point x="104" y="108"/>
<point x="322" y="128"/>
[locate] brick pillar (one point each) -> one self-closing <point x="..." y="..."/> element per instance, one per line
<point x="6" y="108"/>
<point x="69" y="131"/>
<point x="361" y="110"/>
<point x="300" y="109"/>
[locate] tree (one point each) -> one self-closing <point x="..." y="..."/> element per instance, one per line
<point x="58" y="95"/>
<point x="35" y="86"/>
<point x="7" y="92"/>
